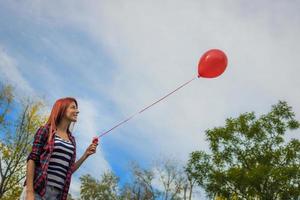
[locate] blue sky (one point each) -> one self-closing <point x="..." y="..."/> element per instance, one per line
<point x="116" y="57"/>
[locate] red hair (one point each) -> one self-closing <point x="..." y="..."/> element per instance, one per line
<point x="57" y="113"/>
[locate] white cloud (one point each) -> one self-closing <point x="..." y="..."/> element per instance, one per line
<point x="89" y="124"/>
<point x="10" y="73"/>
<point x="75" y="188"/>
<point x="157" y="44"/>
<point x="157" y="47"/>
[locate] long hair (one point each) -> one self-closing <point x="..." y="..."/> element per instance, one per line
<point x="57" y="113"/>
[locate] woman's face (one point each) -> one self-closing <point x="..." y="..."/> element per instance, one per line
<point x="72" y="112"/>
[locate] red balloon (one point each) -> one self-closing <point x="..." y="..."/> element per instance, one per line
<point x="95" y="140"/>
<point x="212" y="64"/>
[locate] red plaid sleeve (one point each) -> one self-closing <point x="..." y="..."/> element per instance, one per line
<point x="38" y="144"/>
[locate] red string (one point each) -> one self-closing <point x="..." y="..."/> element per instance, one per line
<point x="129" y="118"/>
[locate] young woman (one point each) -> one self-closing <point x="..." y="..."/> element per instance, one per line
<point x="51" y="161"/>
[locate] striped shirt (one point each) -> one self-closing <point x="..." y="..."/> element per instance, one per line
<point x="59" y="162"/>
<point x="40" y="154"/>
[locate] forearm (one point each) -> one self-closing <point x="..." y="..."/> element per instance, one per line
<point x="78" y="163"/>
<point x="30" y="175"/>
<point x="90" y="150"/>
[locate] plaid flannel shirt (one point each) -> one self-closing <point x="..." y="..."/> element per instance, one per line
<point x="41" y="156"/>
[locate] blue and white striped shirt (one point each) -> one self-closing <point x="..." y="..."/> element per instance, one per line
<point x="59" y="162"/>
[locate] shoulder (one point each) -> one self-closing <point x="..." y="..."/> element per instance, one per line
<point x="43" y="129"/>
<point x="42" y="133"/>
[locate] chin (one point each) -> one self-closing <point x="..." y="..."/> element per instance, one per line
<point x="73" y="120"/>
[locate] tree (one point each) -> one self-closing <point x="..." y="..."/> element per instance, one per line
<point x="69" y="197"/>
<point x="106" y="188"/>
<point x="172" y="178"/>
<point x="16" y="138"/>
<point x="6" y="98"/>
<point x="166" y="180"/>
<point x="140" y="187"/>
<point x="249" y="158"/>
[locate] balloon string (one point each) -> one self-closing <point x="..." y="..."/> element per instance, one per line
<point x="129" y="118"/>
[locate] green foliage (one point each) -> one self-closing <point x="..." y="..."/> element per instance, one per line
<point x="166" y="174"/>
<point x="249" y="158"/>
<point x="69" y="197"/>
<point x="106" y="188"/>
<point x="6" y="99"/>
<point x="13" y="194"/>
<point x="15" y="142"/>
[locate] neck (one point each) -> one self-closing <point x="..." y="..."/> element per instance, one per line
<point x="63" y="125"/>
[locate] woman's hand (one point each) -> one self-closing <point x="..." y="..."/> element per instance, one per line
<point x="91" y="149"/>
<point x="29" y="195"/>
